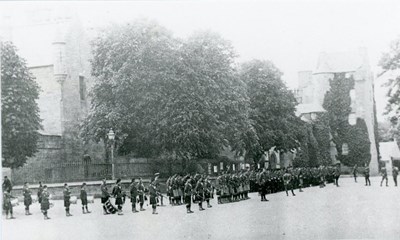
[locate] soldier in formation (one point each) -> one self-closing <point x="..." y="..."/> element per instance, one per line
<point x="27" y="198"/>
<point x="84" y="200"/>
<point x="67" y="197"/>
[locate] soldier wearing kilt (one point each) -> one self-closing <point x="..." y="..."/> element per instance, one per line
<point x="39" y="193"/>
<point x="219" y="188"/>
<point x="45" y="202"/>
<point x="105" y="196"/>
<point x="133" y="194"/>
<point x="366" y="175"/>
<point x="188" y="191"/>
<point x="263" y="185"/>
<point x="7" y="206"/>
<point x="27" y="198"/>
<point x="337" y="175"/>
<point x="208" y="188"/>
<point x="384" y="176"/>
<point x="141" y="194"/>
<point x="83" y="197"/>
<point x="118" y="194"/>
<point x="153" y="191"/>
<point x="287" y="181"/>
<point x="67" y="197"/>
<point x="200" y="193"/>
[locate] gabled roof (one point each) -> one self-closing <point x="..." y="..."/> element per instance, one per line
<point x="389" y="150"/>
<point x="341" y="61"/>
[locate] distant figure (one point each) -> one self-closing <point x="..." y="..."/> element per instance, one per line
<point x="7" y="206"/>
<point x="188" y="195"/>
<point x="39" y="193"/>
<point x="118" y="194"/>
<point x="287" y="182"/>
<point x="141" y="194"/>
<point x="104" y="196"/>
<point x="45" y="202"/>
<point x="366" y="175"/>
<point x="67" y="197"/>
<point x="153" y="191"/>
<point x="355" y="171"/>
<point x="7" y="186"/>
<point x="84" y="200"/>
<point x="133" y="194"/>
<point x="384" y="176"/>
<point x="337" y="175"/>
<point x="395" y="172"/>
<point x="27" y="198"/>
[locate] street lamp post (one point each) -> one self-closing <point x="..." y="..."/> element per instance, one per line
<point x="111" y="137"/>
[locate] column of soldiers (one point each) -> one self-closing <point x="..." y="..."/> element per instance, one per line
<point x="230" y="187"/>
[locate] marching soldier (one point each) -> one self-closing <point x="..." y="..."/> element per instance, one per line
<point x="118" y="194"/>
<point x="395" y="172"/>
<point x="134" y="193"/>
<point x="384" y="176"/>
<point x="84" y="200"/>
<point x="188" y="195"/>
<point x="141" y="194"/>
<point x="67" y="197"/>
<point x="27" y="198"/>
<point x="7" y="206"/>
<point x="366" y="175"/>
<point x="104" y="196"/>
<point x="45" y="202"/>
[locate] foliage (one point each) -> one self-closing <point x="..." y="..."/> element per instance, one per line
<point x="167" y="96"/>
<point x="19" y="112"/>
<point x="337" y="102"/>
<point x="272" y="107"/>
<point x="321" y="132"/>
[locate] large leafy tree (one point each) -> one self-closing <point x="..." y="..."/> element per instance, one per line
<point x="272" y="107"/>
<point x="20" y="119"/>
<point x="180" y="98"/>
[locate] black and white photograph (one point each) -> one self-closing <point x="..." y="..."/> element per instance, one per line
<point x="200" y="119"/>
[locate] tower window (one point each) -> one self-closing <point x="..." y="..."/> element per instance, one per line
<point x="82" y="88"/>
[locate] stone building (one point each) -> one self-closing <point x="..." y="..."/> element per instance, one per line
<point x="57" y="53"/>
<point x="314" y="84"/>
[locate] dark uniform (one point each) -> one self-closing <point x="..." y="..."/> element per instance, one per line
<point x="7" y="206"/>
<point x="133" y="194"/>
<point x="84" y="200"/>
<point x="355" y="171"/>
<point x="27" y="198"/>
<point x="337" y="175"/>
<point x="141" y="194"/>
<point x="366" y="175"/>
<point x="384" y="176"/>
<point x="200" y="193"/>
<point x="395" y="172"/>
<point x="67" y="197"/>
<point x="45" y="202"/>
<point x="39" y="193"/>
<point x="105" y="196"/>
<point x="208" y="189"/>
<point x="188" y="195"/>
<point x="118" y="194"/>
<point x="287" y="182"/>
<point x="153" y="191"/>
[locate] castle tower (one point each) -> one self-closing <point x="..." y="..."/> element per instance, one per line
<point x="313" y="87"/>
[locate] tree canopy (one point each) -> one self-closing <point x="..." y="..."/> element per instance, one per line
<point x="20" y="112"/>
<point x="167" y="95"/>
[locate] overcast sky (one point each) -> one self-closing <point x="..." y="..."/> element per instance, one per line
<point x="289" y="33"/>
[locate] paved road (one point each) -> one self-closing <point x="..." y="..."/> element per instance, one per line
<point x="352" y="211"/>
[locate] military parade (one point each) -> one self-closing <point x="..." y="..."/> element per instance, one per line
<point x="227" y="187"/>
